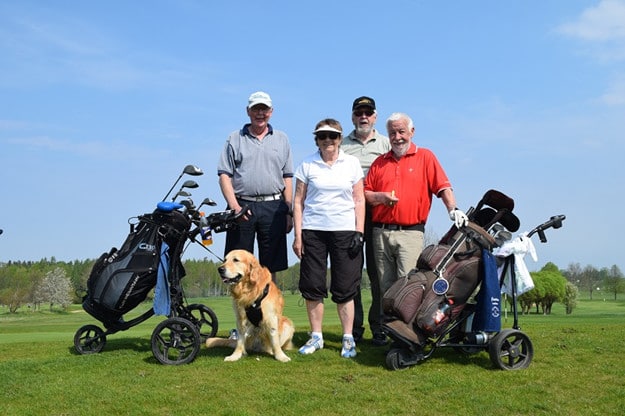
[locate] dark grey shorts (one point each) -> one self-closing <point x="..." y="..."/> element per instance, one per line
<point x="268" y="225"/>
<point x="345" y="272"/>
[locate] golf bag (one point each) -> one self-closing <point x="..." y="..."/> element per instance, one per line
<point x="121" y="279"/>
<point x="453" y="296"/>
<point x="436" y="291"/>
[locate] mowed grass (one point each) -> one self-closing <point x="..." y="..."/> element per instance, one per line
<point x="577" y="370"/>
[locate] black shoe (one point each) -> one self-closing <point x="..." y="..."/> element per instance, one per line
<point x="358" y="335"/>
<point x="379" y="340"/>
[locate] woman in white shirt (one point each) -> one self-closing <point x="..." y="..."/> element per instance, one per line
<point x="328" y="219"/>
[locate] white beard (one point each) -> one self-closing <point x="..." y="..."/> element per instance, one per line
<point x="364" y="130"/>
<point x="400" y="149"/>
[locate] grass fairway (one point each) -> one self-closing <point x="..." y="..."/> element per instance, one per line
<point x="577" y="370"/>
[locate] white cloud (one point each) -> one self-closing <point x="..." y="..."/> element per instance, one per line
<point x="605" y="22"/>
<point x="601" y="29"/>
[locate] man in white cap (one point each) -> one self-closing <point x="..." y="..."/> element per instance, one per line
<point x="256" y="170"/>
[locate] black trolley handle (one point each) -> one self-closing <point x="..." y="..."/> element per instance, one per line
<point x="554" y="222"/>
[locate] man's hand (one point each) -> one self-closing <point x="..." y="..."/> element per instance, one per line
<point x="458" y="217"/>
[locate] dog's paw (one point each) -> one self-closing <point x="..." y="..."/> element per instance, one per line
<point x="283" y="358"/>
<point x="233" y="357"/>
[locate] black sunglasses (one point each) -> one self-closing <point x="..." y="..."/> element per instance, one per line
<point x="359" y="113"/>
<point x="327" y="135"/>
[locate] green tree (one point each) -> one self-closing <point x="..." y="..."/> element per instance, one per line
<point x="549" y="287"/>
<point x="555" y="289"/>
<point x="288" y="280"/>
<point x="78" y="272"/>
<point x="534" y="296"/>
<point x="202" y="279"/>
<point x="17" y="281"/>
<point x="573" y="274"/>
<point x="590" y="279"/>
<point x="571" y="292"/>
<point x="531" y="297"/>
<point x="614" y="281"/>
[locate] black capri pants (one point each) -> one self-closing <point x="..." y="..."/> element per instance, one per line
<point x="345" y="271"/>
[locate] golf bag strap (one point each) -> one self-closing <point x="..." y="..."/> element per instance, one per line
<point x="472" y="231"/>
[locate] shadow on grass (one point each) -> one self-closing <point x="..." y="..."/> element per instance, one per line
<point x="137" y="344"/>
<point x="368" y="354"/>
<point x="375" y="356"/>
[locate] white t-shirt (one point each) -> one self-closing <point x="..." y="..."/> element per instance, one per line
<point x="329" y="203"/>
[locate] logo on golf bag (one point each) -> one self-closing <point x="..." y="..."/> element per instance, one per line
<point x="147" y="247"/>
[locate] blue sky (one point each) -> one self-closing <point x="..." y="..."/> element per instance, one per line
<point x="103" y="103"/>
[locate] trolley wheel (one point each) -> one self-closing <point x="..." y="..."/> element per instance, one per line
<point x="89" y="339"/>
<point x="511" y="349"/>
<point x="394" y="359"/>
<point x="204" y="318"/>
<point x="175" y="341"/>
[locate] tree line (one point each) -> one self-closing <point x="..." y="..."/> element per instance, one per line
<point x="32" y="284"/>
<point x="51" y="282"/>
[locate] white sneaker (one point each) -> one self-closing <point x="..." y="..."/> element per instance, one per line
<point x="234" y="334"/>
<point x="349" y="347"/>
<point x="313" y="344"/>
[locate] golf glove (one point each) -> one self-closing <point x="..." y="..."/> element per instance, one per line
<point x="458" y="217"/>
<point x="355" y="246"/>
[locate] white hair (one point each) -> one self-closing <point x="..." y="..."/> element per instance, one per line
<point x="399" y="116"/>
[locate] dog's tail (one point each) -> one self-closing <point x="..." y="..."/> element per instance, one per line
<point x="221" y="342"/>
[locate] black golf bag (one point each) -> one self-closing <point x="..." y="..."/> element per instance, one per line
<point x="122" y="279"/>
<point x="151" y="258"/>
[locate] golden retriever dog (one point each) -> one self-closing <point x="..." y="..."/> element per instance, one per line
<point x="258" y="305"/>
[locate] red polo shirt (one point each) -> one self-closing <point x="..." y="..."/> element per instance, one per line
<point x="415" y="177"/>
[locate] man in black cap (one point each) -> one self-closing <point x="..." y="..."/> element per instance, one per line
<point x="366" y="143"/>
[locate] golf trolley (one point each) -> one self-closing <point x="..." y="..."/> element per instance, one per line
<point x="443" y="302"/>
<point x="150" y="258"/>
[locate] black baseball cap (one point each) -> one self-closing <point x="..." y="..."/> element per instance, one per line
<point x="363" y="102"/>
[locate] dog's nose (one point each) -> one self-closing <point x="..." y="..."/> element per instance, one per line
<point x="221" y="269"/>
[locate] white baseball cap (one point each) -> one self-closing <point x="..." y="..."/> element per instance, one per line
<point x="259" y="97"/>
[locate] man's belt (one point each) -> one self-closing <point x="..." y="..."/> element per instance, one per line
<point x="398" y="227"/>
<point x="260" y="198"/>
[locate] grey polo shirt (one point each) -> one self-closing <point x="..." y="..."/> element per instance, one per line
<point x="366" y="152"/>
<point x="257" y="167"/>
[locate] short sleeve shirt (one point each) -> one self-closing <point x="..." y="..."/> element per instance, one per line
<point x="366" y="152"/>
<point x="329" y="203"/>
<point x="415" y="177"/>
<point x="257" y="167"/>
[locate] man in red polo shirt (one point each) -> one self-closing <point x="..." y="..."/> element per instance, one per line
<point x="400" y="185"/>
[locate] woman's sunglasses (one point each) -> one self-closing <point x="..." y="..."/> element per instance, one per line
<point x="327" y="135"/>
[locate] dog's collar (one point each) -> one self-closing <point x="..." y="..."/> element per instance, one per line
<point x="253" y="312"/>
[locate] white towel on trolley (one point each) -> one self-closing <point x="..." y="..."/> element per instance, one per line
<point x="518" y="248"/>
